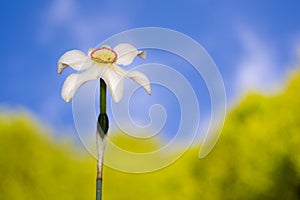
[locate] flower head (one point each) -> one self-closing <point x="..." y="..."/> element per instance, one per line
<point x="101" y="63"/>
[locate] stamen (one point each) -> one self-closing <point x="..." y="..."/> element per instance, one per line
<point x="104" y="55"/>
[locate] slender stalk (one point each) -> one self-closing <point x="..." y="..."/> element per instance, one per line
<point x="102" y="128"/>
<point x="102" y="97"/>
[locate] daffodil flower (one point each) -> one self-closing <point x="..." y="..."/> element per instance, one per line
<point x="101" y="63"/>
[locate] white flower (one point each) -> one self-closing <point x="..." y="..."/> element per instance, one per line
<point x="101" y="63"/>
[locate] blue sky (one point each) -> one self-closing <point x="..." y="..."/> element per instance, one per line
<point x="254" y="43"/>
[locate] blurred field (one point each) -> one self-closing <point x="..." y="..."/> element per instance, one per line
<point x="257" y="157"/>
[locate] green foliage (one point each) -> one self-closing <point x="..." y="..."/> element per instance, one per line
<point x="257" y="157"/>
<point x="32" y="166"/>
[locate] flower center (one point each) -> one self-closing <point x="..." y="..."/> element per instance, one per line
<point x="104" y="55"/>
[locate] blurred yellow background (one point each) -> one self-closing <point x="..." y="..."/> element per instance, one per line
<point x="256" y="157"/>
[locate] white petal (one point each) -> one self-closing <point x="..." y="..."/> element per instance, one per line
<point x="115" y="83"/>
<point x="75" y="59"/>
<point x="90" y="51"/>
<point x="136" y="76"/>
<point x="126" y="53"/>
<point x="142" y="54"/>
<point x="74" y="81"/>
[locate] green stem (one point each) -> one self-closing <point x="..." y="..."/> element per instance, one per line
<point x="98" y="189"/>
<point x="104" y="125"/>
<point x="102" y="96"/>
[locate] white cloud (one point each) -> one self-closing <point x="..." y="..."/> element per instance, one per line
<point x="294" y="44"/>
<point x="61" y="11"/>
<point x="257" y="69"/>
<point x="83" y="28"/>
